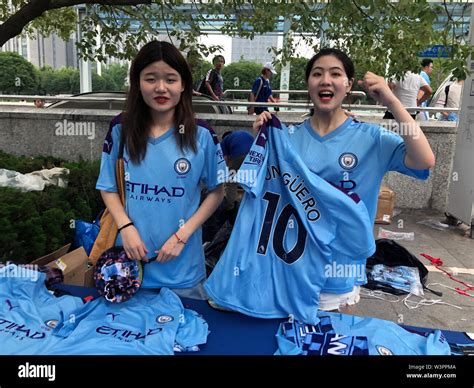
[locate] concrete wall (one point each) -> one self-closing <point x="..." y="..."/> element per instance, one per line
<point x="74" y="134"/>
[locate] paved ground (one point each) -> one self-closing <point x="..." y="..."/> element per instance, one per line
<point x="456" y="249"/>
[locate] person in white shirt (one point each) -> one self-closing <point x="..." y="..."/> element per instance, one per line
<point x="406" y="90"/>
<point x="450" y="98"/>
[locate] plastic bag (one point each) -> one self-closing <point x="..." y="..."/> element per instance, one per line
<point x="391" y="254"/>
<point x="85" y="235"/>
<point x="401" y="277"/>
<point x="435" y="224"/>
<point x="214" y="249"/>
<point x="384" y="233"/>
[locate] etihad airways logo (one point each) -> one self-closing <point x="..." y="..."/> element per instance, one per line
<point x="127" y="335"/>
<point x="157" y="190"/>
<point x="19" y="331"/>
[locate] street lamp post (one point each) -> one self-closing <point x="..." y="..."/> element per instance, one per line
<point x="85" y="75"/>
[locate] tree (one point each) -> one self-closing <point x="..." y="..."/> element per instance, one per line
<point x="199" y="67"/>
<point x="66" y="80"/>
<point x="35" y="223"/>
<point x="17" y="75"/>
<point x="62" y="81"/>
<point x="241" y="75"/>
<point x="297" y="77"/>
<point x="380" y="35"/>
<point x="115" y="76"/>
<point x="199" y="70"/>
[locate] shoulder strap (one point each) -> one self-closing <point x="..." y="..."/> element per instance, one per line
<point x="446" y="92"/>
<point x="202" y="86"/>
<point x="212" y="76"/>
<point x="120" y="177"/>
<point x="120" y="169"/>
<point x="120" y="173"/>
<point x="259" y="88"/>
<point x="121" y="147"/>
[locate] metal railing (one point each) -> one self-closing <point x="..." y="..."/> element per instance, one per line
<point x="58" y="98"/>
<point x="308" y="106"/>
<point x="227" y="103"/>
<point x="357" y="93"/>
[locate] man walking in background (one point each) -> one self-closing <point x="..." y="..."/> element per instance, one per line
<point x="213" y="84"/>
<point x="261" y="89"/>
<point x="426" y="69"/>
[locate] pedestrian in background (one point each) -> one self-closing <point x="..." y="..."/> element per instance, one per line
<point x="261" y="89"/>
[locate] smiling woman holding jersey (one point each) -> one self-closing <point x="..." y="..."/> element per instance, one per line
<point x="350" y="154"/>
<point x="167" y="155"/>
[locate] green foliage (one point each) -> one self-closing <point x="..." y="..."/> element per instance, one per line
<point x="382" y="36"/>
<point x="115" y="76"/>
<point x="297" y="77"/>
<point x="28" y="164"/>
<point x="17" y="75"/>
<point x="62" y="21"/>
<point x="62" y="81"/>
<point x="199" y="71"/>
<point x="241" y="75"/>
<point x="199" y="67"/>
<point x="440" y="72"/>
<point x="33" y="224"/>
<point x="98" y="83"/>
<point x="66" y="80"/>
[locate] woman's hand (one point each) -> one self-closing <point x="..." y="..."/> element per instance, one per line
<point x="348" y="113"/>
<point x="261" y="118"/>
<point x="378" y="89"/>
<point x="133" y="244"/>
<point x="170" y="249"/>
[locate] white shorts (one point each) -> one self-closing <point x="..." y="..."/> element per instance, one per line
<point x="328" y="302"/>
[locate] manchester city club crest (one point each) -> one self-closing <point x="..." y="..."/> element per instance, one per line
<point x="164" y="318"/>
<point x="182" y="166"/>
<point x="383" y="351"/>
<point x="348" y="161"/>
<point x="51" y="323"/>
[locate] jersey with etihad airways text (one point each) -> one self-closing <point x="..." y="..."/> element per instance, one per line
<point x="29" y="312"/>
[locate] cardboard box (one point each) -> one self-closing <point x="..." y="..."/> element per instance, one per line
<point x="73" y="264"/>
<point x="385" y="205"/>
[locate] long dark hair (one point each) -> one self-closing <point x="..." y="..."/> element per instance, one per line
<point x="137" y="119"/>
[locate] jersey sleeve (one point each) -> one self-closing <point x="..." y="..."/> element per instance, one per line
<point x="208" y="76"/>
<point x="251" y="175"/>
<point x="353" y="228"/>
<point x="110" y="150"/>
<point x="442" y="99"/>
<point x="392" y="152"/>
<point x="214" y="171"/>
<point x="192" y="330"/>
<point x="69" y="323"/>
